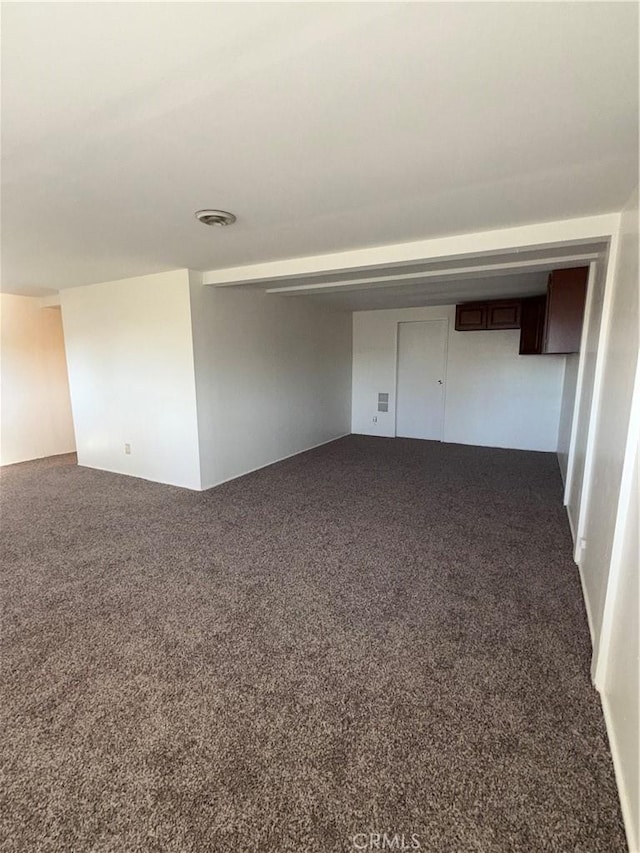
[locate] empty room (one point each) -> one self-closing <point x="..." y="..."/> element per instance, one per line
<point x="319" y="420"/>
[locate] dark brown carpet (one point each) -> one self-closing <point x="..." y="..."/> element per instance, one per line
<point x="376" y="636"/>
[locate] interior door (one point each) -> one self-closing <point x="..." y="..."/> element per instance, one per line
<point x="420" y="382"/>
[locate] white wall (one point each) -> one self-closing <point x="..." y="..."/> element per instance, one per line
<point x="621" y="666"/>
<point x="609" y="560"/>
<point x="273" y="377"/>
<point x="609" y="422"/>
<point x="494" y="397"/>
<point x="35" y="412"/>
<point x="131" y="375"/>
<point x="602" y="497"/>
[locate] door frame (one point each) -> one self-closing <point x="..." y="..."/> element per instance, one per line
<point x="445" y="365"/>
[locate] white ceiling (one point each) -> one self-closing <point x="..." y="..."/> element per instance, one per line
<point x="323" y="126"/>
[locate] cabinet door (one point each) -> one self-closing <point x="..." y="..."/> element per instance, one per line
<point x="503" y="314"/>
<point x="565" y="310"/>
<point x="471" y="316"/>
<point x="532" y="325"/>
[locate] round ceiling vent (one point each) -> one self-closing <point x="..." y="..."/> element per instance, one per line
<point x="215" y="217"/>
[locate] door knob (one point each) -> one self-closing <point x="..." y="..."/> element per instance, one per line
<point x="439" y="381"/>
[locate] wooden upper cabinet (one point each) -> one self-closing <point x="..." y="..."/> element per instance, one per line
<point x="503" y="314"/>
<point x="532" y="325"/>
<point x="552" y="323"/>
<point x="549" y="323"/>
<point x="497" y="314"/>
<point x="566" y="296"/>
<point x="471" y="316"/>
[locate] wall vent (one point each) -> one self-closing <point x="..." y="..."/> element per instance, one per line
<point x="383" y="402"/>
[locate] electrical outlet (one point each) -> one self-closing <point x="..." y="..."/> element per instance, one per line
<point x="375" y="419"/>
<point x="127" y="449"/>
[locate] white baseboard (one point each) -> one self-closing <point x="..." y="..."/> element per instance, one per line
<point x="274" y="462"/>
<point x="121" y="473"/>
<point x="219" y="483"/>
<point x="630" y="816"/>
<point x="586" y="606"/>
<point x="37" y="458"/>
<point x="577" y="557"/>
<point x="563" y="475"/>
<point x="572" y="528"/>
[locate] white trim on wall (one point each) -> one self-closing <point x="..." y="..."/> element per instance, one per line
<point x="603" y="338"/>
<point x="587" y="606"/>
<point x="563" y="473"/>
<point x="572" y="525"/>
<point x="602" y="656"/>
<point x="571" y="462"/>
<point x="396" y="343"/>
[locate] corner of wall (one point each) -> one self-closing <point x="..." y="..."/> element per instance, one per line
<point x="131" y="372"/>
<point x="35" y="413"/>
<point x="200" y="307"/>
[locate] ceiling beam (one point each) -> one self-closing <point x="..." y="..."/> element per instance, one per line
<point x="459" y="273"/>
<point x="541" y="236"/>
